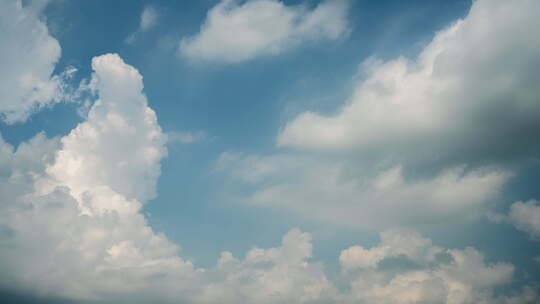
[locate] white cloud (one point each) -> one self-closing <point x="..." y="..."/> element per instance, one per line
<point x="235" y="32"/>
<point x="148" y="20"/>
<point x="394" y="243"/>
<point x="121" y="136"/>
<point x="71" y="224"/>
<point x="275" y="275"/>
<point x="73" y="208"/>
<point x="526" y="217"/>
<point x="419" y="141"/>
<point x="71" y="227"/>
<point x="342" y="192"/>
<point x="28" y="56"/>
<point x="421" y="272"/>
<point x="469" y="97"/>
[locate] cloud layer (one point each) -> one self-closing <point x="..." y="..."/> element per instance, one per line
<point x="235" y="32"/>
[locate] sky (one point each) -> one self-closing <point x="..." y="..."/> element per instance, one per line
<point x="267" y="151"/>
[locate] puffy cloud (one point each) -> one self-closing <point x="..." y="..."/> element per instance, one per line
<point x="407" y="268"/>
<point x="71" y="224"/>
<point x="71" y="205"/>
<point x="120" y="136"/>
<point x="235" y="32"/>
<point x="525" y="216"/>
<point x="51" y="247"/>
<point x="469" y="97"/>
<point x="28" y="56"/>
<point x="419" y="140"/>
<point x="394" y="243"/>
<point x="275" y="275"/>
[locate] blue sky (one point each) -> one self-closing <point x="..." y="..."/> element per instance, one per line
<point x="360" y="123"/>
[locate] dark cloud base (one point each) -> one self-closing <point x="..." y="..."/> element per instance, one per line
<point x="13" y="297"/>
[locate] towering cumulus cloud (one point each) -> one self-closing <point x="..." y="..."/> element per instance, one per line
<point x="235" y="32"/>
<point x="71" y="223"/>
<point x="27" y="58"/>
<point x="72" y="215"/>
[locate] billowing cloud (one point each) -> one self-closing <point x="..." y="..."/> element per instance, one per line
<point x="469" y="97"/>
<point x="69" y="231"/>
<point x="235" y="32"/>
<point x="28" y="57"/>
<point x="71" y="224"/>
<point x="71" y="211"/>
<point x="275" y="275"/>
<point x="71" y="227"/>
<point x="420" y="140"/>
<point x="407" y="268"/>
<point x="120" y="135"/>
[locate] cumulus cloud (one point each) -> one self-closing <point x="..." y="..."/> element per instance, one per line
<point x="469" y="97"/>
<point x="71" y="227"/>
<point x="148" y="20"/>
<point x="238" y="31"/>
<point x="71" y="224"/>
<point x="420" y="140"/>
<point x="120" y="135"/>
<point x="28" y="57"/>
<point x="333" y="190"/>
<point x="407" y="268"/>
<point x="525" y="216"/>
<point x="72" y="211"/>
<point x="275" y="275"/>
